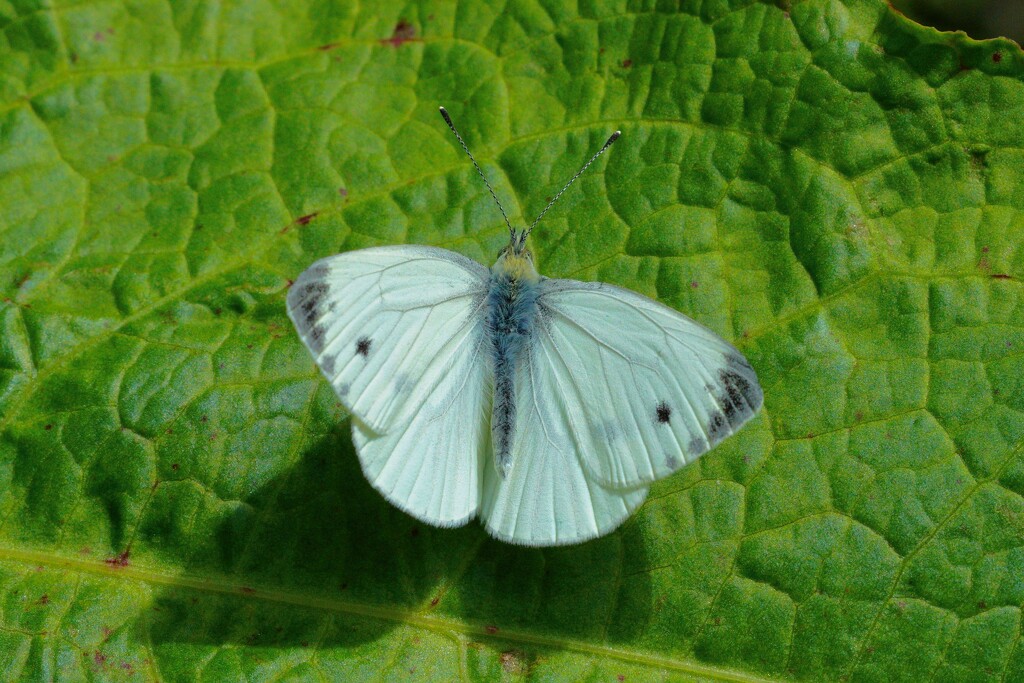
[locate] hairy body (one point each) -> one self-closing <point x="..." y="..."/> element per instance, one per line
<point x="511" y="317"/>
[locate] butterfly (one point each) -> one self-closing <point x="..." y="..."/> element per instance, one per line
<point x="544" y="407"/>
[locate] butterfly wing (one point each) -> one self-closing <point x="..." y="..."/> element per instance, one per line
<point x="384" y="323"/>
<point x="431" y="465"/>
<point x="399" y="333"/>
<point x="642" y="389"/>
<point x="545" y="499"/>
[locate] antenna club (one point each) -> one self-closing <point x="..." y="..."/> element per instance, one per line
<point x="465" y="148"/>
<point x="613" y="138"/>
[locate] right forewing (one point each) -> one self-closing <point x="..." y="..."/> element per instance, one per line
<point x="642" y="389"/>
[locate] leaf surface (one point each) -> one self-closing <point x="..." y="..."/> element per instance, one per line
<point x="834" y="188"/>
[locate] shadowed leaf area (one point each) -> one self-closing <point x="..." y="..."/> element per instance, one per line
<point x="832" y="187"/>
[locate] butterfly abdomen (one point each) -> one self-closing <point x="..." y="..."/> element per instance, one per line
<point x="511" y="315"/>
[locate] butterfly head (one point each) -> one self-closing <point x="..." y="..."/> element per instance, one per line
<point x="516" y="261"/>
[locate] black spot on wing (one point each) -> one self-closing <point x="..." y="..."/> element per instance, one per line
<point x="327" y="363"/>
<point x="317" y="336"/>
<point x="363" y="346"/>
<point x="314" y="290"/>
<point x="663" y="412"/>
<point x="736" y="387"/>
<point x="310" y="312"/>
<point x="312" y="296"/>
<point x="717" y="427"/>
<point x="739" y="397"/>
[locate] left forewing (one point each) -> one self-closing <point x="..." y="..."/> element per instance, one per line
<point x="387" y="324"/>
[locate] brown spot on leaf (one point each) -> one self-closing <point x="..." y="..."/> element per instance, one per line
<point x="119" y="560"/>
<point x="404" y="32"/>
<point x="997" y="57"/>
<point x="626" y="63"/>
<point x="1002" y="276"/>
<point x="491" y="629"/>
<point x="304" y="220"/>
<point x="328" y="46"/>
<point x="247" y="590"/>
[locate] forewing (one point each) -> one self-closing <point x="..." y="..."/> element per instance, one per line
<point x="386" y="324"/>
<point x="642" y="389"/>
<point x="546" y="499"/>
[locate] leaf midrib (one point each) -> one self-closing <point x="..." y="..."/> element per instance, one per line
<point x="435" y="623"/>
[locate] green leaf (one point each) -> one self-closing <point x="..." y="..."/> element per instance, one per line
<point x="838" y="190"/>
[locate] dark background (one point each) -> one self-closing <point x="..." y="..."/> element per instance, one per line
<point x="977" y="18"/>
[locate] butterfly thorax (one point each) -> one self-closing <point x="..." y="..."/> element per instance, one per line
<point x="511" y="316"/>
<point x="517" y="265"/>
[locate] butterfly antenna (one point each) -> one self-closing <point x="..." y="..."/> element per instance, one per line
<point x="448" y="120"/>
<point x="613" y="138"/>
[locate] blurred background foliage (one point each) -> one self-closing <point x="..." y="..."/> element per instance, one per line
<point x="977" y="18"/>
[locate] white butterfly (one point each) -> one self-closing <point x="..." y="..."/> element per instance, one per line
<point x="544" y="407"/>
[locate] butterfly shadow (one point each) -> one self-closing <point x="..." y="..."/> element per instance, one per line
<point x="317" y="558"/>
